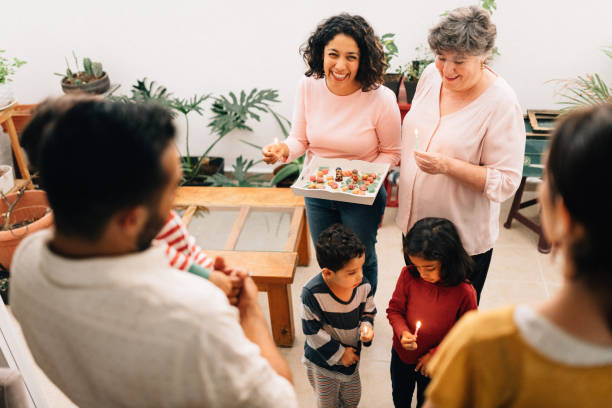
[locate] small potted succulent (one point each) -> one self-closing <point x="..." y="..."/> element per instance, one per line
<point x="91" y="79"/>
<point x="7" y="69"/>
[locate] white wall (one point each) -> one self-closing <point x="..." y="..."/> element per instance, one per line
<point x="218" y="46"/>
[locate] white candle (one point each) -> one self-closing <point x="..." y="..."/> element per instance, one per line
<point x="416" y="139"/>
<point x="418" y="326"/>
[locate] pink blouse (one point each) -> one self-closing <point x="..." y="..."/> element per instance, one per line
<point x="360" y="126"/>
<point x="489" y="132"/>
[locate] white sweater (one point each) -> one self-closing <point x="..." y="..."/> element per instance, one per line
<point x="131" y="331"/>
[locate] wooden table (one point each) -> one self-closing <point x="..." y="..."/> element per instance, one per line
<point x="6" y="118"/>
<point x="273" y="271"/>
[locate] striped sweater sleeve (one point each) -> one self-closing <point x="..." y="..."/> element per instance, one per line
<point x="368" y="313"/>
<point x="317" y="339"/>
<point x="180" y="245"/>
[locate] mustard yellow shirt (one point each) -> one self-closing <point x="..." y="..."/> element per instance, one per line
<point x="512" y="357"/>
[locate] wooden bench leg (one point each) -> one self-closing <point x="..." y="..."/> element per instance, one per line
<point x="516" y="203"/>
<point x="281" y="314"/>
<point x="303" y="248"/>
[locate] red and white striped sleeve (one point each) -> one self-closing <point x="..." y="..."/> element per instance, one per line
<point x="180" y="244"/>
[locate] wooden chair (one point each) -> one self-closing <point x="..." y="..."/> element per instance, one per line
<point x="532" y="167"/>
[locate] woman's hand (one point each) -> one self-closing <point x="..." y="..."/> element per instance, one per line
<point x="432" y="163"/>
<point x="408" y="341"/>
<point x="275" y="152"/>
<point x="422" y="365"/>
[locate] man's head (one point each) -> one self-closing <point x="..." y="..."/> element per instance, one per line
<point x="341" y="256"/>
<point x="101" y="161"/>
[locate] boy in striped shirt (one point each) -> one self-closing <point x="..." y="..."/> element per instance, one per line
<point x="184" y="254"/>
<point x="337" y="317"/>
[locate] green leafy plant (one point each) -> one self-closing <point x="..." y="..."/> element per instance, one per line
<point x="414" y="69"/>
<point x="390" y="50"/>
<point x="241" y="176"/>
<point x="92" y="70"/>
<point x="586" y="90"/>
<point x="8" y="67"/>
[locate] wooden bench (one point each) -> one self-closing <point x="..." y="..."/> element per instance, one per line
<point x="273" y="271"/>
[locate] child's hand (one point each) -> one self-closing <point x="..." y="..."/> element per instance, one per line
<point x="408" y="341"/>
<point x="222" y="281"/>
<point x="422" y="365"/>
<point x="366" y="333"/>
<point x="349" y="357"/>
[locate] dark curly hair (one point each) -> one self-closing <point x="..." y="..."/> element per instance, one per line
<point x="372" y="63"/>
<point x="336" y="246"/>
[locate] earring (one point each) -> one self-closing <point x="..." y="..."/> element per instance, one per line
<point x="482" y="65"/>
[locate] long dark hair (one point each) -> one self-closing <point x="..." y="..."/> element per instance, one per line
<point x="372" y="63"/>
<point x="577" y="170"/>
<point x="437" y="239"/>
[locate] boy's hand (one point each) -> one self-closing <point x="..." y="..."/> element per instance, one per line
<point x="422" y="365"/>
<point x="408" y="341"/>
<point x="366" y="333"/>
<point x="222" y="281"/>
<point x="349" y="357"/>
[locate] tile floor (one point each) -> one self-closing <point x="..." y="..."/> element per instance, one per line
<point x="518" y="273"/>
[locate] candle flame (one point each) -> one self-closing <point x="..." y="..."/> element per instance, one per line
<point x="416" y="132"/>
<point x="418" y="325"/>
<point x="276" y="140"/>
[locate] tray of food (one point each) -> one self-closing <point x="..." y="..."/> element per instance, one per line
<point x="353" y="181"/>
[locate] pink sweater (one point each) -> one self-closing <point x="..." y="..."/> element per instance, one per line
<point x="489" y="132"/>
<point x="360" y="126"/>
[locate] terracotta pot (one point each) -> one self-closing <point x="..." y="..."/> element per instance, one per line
<point x="21" y="117"/>
<point x="33" y="204"/>
<point x="98" y="86"/>
<point x="393" y="82"/>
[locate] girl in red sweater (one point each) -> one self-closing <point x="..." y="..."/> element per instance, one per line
<point x="432" y="289"/>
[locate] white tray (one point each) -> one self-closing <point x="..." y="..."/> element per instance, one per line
<point x="299" y="187"/>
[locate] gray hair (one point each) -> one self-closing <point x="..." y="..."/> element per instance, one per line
<point x="465" y="30"/>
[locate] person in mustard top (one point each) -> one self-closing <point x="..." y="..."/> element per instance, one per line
<point x="557" y="353"/>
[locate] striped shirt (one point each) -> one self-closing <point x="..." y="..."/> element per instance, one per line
<point x="330" y="324"/>
<point x="180" y="246"/>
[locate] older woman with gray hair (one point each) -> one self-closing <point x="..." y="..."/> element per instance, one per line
<point x="463" y="138"/>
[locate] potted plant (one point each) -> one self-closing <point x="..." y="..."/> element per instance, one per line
<point x="391" y="80"/>
<point x="91" y="79"/>
<point x="233" y="112"/>
<point x="586" y="90"/>
<point x="8" y="67"/>
<point x="414" y="69"/>
<point x="21" y="214"/>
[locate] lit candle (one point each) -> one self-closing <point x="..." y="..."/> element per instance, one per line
<point x="418" y="326"/>
<point x="416" y="139"/>
<point x="364" y="331"/>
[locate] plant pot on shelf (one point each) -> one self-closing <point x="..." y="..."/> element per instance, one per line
<point x="21" y="117"/>
<point x="96" y="86"/>
<point x="287" y="181"/>
<point x="393" y="82"/>
<point x="7" y="94"/>
<point x="410" y="89"/>
<point x="210" y="165"/>
<point x="32" y="213"/>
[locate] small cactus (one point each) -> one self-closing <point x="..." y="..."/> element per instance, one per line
<point x="87" y="66"/>
<point x="97" y="70"/>
<point x="69" y="73"/>
<point x="78" y="82"/>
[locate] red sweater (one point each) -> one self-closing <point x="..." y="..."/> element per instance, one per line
<point x="437" y="307"/>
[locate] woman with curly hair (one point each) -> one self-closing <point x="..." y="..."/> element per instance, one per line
<point x="342" y="111"/>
